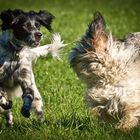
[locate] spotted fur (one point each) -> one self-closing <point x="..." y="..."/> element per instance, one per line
<point x="19" y="48"/>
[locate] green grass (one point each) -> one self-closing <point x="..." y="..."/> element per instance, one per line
<point x="65" y="116"/>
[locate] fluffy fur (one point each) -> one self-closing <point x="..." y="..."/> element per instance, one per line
<point x="19" y="48"/>
<point x="111" y="70"/>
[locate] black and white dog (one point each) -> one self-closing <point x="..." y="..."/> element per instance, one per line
<point x="19" y="47"/>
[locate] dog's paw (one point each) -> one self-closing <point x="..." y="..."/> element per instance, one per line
<point x="9" y="124"/>
<point x="27" y="104"/>
<point x="7" y="106"/>
<point x="25" y="112"/>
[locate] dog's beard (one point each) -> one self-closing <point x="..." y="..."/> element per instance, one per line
<point x="31" y="42"/>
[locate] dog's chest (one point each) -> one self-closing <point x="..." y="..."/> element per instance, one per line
<point x="9" y="61"/>
<point x="8" y="53"/>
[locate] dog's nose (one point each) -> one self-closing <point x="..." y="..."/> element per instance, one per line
<point x="38" y="35"/>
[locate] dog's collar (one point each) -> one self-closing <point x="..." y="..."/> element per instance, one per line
<point x="15" y="44"/>
<point x="14" y="47"/>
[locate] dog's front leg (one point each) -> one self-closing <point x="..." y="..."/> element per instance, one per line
<point x="31" y="97"/>
<point x="28" y="95"/>
<point x="23" y="77"/>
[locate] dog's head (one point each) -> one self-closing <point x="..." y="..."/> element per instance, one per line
<point x="26" y="25"/>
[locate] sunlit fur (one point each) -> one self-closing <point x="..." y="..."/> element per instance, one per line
<point x="111" y="70"/>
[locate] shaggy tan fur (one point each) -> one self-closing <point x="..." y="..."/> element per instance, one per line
<point x="111" y="70"/>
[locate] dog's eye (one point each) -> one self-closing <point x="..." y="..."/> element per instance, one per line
<point x="0" y="97"/>
<point x="28" y="25"/>
<point x="37" y="25"/>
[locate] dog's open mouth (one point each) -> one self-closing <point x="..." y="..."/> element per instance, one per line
<point x="32" y="43"/>
<point x="35" y="44"/>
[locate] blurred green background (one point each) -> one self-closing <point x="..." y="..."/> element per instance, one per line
<point x="65" y="115"/>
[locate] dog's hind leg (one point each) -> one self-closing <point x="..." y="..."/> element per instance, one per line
<point x="37" y="103"/>
<point x="38" y="106"/>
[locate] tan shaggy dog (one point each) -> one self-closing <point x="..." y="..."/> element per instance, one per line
<point x="111" y="70"/>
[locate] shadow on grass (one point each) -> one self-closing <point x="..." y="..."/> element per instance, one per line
<point x="70" y="125"/>
<point x="93" y="127"/>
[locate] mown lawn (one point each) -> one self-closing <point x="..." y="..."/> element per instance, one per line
<point x="65" y="116"/>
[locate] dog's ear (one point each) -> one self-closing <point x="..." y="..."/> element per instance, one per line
<point x="45" y="18"/>
<point x="96" y="32"/>
<point x="8" y="18"/>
